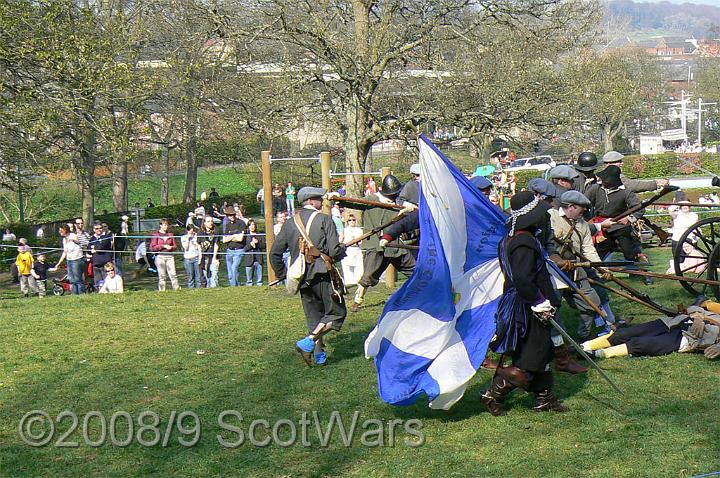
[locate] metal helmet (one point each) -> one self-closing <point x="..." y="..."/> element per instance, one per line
<point x="391" y="186"/>
<point x="587" y="161"/>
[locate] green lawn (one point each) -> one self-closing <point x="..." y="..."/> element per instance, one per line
<point x="139" y="352"/>
<point x="66" y="198"/>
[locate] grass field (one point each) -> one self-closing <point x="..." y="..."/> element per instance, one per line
<point x="66" y="199"/>
<point x="139" y="352"/>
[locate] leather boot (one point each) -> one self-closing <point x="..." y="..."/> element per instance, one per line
<point x="547" y="401"/>
<point x="565" y="363"/>
<point x="494" y="397"/>
<point x="489" y="363"/>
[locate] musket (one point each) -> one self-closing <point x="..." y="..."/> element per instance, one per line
<point x="645" y="203"/>
<point x="375" y="230"/>
<point x="653" y="306"/>
<point x="640" y="295"/>
<point x="367" y="202"/>
<point x="668" y="276"/>
<point x="580" y="293"/>
<point x="584" y="355"/>
<point x="399" y="245"/>
<point x="691" y="205"/>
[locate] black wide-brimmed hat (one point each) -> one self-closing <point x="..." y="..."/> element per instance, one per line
<point x="527" y="212"/>
<point x="610" y="177"/>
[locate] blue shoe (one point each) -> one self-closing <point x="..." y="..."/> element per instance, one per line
<point x="305" y="348"/>
<point x="306" y="345"/>
<point x="321" y="358"/>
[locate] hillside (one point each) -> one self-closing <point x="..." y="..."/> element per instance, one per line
<point x="701" y="21"/>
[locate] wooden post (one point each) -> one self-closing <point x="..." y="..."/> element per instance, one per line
<point x="267" y="189"/>
<point x="390" y="272"/>
<point x="325" y="174"/>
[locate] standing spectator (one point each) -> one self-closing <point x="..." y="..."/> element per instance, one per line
<point x="240" y="210"/>
<point x="84" y="241"/>
<point x="39" y="272"/>
<point x="371" y="187"/>
<point x="163" y="244"/>
<point x="234" y="239"/>
<point x="100" y="253"/>
<point x="203" y="196"/>
<point x="352" y="264"/>
<point x="210" y="245"/>
<point x="124" y="226"/>
<point x="277" y="194"/>
<point x="260" y="197"/>
<point x="281" y="218"/>
<point x="213" y="194"/>
<point x="73" y="253"/>
<point x="190" y="219"/>
<point x="8" y="236"/>
<point x="40" y="233"/>
<point x="337" y="219"/>
<point x="119" y="244"/>
<point x="199" y="211"/>
<point x="191" y="256"/>
<point x="113" y="281"/>
<point x="149" y="204"/>
<point x="342" y="191"/>
<point x="683" y="218"/>
<point x="24" y="262"/>
<point x="254" y="246"/>
<point x="290" y="198"/>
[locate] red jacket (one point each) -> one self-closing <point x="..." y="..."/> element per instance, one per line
<point x="160" y="239"/>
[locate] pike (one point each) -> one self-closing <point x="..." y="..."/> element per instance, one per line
<point x="691" y="204"/>
<point x="651" y="305"/>
<point x="605" y="264"/>
<point x="399" y="245"/>
<point x="366" y="202"/>
<point x="668" y="276"/>
<point x="584" y="355"/>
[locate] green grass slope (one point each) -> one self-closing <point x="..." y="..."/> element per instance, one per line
<point x="139" y="352"/>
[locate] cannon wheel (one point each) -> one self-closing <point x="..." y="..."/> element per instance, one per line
<point x="714" y="270"/>
<point x="704" y="235"/>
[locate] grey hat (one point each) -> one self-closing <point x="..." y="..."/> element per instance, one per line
<point x="309" y="193"/>
<point x="563" y="172"/>
<point x="415" y="169"/>
<point x="541" y="186"/>
<point x="612" y="157"/>
<point x="575" y="197"/>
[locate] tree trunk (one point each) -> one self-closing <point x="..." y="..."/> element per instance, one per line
<point x="607" y="132"/>
<point x="165" y="179"/>
<point x="191" y="162"/>
<point x="356" y="152"/>
<point x="120" y="186"/>
<point x="86" y="177"/>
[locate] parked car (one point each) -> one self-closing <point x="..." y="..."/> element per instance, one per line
<point x="538" y="163"/>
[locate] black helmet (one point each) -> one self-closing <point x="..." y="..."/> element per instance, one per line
<point x="391" y="186"/>
<point x="587" y="161"/>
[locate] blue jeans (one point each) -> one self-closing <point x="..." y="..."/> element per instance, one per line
<point x="257" y="269"/>
<point x="118" y="264"/>
<point x="211" y="271"/>
<point x="232" y="261"/>
<point x="75" y="275"/>
<point x="192" y="267"/>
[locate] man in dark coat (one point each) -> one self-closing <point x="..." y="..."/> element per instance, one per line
<point x="527" y="304"/>
<point x="609" y="199"/>
<point x="377" y="257"/>
<point x="324" y="306"/>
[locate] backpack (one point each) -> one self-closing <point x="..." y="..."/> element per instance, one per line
<point x="296" y="271"/>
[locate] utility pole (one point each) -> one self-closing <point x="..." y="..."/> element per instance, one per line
<point x="700" y="106"/>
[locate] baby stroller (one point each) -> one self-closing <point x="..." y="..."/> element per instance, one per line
<point x="62" y="285"/>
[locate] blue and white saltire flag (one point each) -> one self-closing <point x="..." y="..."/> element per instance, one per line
<point x="434" y="332"/>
